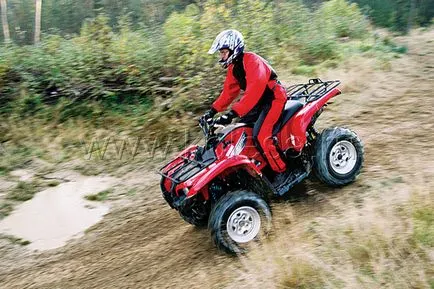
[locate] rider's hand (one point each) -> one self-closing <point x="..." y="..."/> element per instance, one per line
<point x="207" y="117"/>
<point x="226" y="118"/>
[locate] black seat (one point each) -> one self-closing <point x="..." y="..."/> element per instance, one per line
<point x="291" y="107"/>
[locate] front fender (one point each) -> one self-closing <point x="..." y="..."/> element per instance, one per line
<point x="215" y="170"/>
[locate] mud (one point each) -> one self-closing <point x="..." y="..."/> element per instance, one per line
<point x="23" y="175"/>
<point x="57" y="214"/>
<point x="144" y="244"/>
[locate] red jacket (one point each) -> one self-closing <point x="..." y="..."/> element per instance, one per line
<point x="257" y="76"/>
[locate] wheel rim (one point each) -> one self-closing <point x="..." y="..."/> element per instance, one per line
<point x="243" y="224"/>
<point x="343" y="157"/>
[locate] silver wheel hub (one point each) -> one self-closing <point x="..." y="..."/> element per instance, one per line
<point x="343" y="157"/>
<point x="243" y="224"/>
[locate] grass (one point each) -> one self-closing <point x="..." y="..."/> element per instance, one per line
<point x="15" y="240"/>
<point x="303" y="276"/>
<point x="53" y="183"/>
<point x="15" y="157"/>
<point x="304" y="70"/>
<point x="380" y="245"/>
<point x="423" y="219"/>
<point x="132" y="192"/>
<point x="5" y="209"/>
<point x="23" y="191"/>
<point x="101" y="196"/>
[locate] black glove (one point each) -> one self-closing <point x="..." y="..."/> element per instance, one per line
<point x="207" y="117"/>
<point x="226" y="118"/>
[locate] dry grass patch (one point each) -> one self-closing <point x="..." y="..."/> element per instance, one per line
<point x="15" y="240"/>
<point x="386" y="243"/>
<point x="101" y="196"/>
<point x="5" y="209"/>
<point x="24" y="191"/>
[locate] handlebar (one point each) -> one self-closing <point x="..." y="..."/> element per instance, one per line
<point x="205" y="126"/>
<point x="208" y="127"/>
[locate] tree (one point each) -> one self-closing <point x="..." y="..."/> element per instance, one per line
<point x="38" y="21"/>
<point x="5" y="20"/>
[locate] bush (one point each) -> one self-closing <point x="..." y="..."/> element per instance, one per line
<point x="343" y="19"/>
<point x="29" y="105"/>
<point x="183" y="35"/>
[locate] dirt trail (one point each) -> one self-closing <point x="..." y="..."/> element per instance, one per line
<point x="147" y="245"/>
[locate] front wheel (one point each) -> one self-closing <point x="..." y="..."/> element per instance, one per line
<point x="239" y="219"/>
<point x="338" y="156"/>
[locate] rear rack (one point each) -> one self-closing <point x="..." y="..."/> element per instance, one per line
<point x="311" y="91"/>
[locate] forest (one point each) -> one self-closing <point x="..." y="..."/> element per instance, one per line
<point x="66" y="17"/>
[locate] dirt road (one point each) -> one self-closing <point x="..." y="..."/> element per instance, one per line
<point x="147" y="245"/>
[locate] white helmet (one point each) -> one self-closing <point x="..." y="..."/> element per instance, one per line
<point x="229" y="39"/>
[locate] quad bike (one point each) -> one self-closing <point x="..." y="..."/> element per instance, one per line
<point x="227" y="183"/>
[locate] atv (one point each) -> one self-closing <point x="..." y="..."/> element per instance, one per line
<point x="226" y="184"/>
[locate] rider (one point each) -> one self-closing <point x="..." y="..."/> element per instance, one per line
<point x="264" y="97"/>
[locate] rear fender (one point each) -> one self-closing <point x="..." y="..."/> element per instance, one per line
<point x="238" y="162"/>
<point x="293" y="134"/>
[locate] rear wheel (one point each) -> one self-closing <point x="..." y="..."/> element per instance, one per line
<point x="239" y="219"/>
<point x="338" y="156"/>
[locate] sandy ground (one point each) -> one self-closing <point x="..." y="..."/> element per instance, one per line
<point x="145" y="244"/>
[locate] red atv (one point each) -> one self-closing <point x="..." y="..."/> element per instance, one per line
<point x="226" y="183"/>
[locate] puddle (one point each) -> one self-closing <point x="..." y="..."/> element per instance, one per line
<point x="58" y="214"/>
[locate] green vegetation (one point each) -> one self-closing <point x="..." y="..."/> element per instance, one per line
<point x="5" y="209"/>
<point x="424" y="226"/>
<point x="101" y="196"/>
<point x="15" y="157"/>
<point x="15" y="240"/>
<point x="131" y="192"/>
<point x="152" y="80"/>
<point x="23" y="191"/>
<point x="303" y="276"/>
<point x="53" y="183"/>
<point x="66" y="17"/>
<point x="105" y="71"/>
<point x="399" y="15"/>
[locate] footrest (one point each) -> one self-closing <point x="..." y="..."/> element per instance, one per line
<point x="293" y="178"/>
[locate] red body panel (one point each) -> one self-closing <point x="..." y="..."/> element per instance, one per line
<point x="250" y="150"/>
<point x="293" y="134"/>
<point x="225" y="166"/>
<point x="227" y="162"/>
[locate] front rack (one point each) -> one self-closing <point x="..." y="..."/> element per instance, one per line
<point x="311" y="91"/>
<point x="186" y="166"/>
